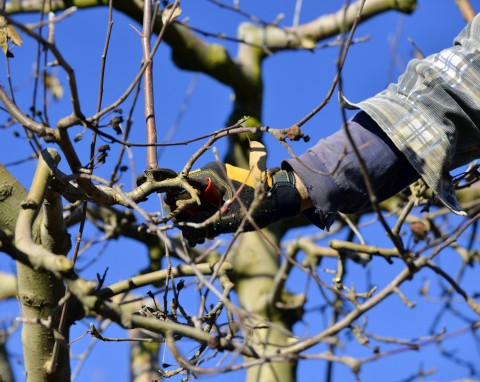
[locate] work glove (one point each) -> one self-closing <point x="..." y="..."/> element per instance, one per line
<point x="224" y="189"/>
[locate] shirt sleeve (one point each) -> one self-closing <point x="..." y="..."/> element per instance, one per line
<point x="432" y="114"/>
<point x="332" y="175"/>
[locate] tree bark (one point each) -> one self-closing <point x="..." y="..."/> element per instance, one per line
<point x="255" y="263"/>
<point x="143" y="358"/>
<point x="39" y="293"/>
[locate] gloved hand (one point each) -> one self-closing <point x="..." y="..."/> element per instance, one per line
<point x="221" y="200"/>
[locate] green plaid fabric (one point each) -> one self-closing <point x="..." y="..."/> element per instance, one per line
<point x="433" y="113"/>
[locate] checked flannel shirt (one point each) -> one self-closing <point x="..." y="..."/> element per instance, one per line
<point x="426" y="124"/>
<point x="432" y="114"/>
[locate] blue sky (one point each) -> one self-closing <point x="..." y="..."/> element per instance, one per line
<point x="295" y="82"/>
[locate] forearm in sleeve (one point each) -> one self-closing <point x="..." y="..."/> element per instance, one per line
<point x="332" y="174"/>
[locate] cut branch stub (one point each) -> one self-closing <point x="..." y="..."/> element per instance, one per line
<point x="293" y="133"/>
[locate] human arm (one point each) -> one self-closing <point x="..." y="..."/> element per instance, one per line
<point x="422" y="126"/>
<point x="321" y="182"/>
<point x="431" y="116"/>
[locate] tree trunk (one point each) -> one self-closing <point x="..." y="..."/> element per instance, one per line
<point x="255" y="263"/>
<point x="39" y="293"/>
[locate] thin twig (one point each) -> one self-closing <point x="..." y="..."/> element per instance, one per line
<point x="149" y="107"/>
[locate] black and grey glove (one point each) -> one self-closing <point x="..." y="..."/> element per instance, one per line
<point x="223" y="190"/>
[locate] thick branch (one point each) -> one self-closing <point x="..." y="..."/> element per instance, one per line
<point x="39" y="257"/>
<point x="309" y="34"/>
<point x="38" y="290"/>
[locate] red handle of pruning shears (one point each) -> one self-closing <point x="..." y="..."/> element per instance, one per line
<point x="211" y="194"/>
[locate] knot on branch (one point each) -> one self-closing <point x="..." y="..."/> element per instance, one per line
<point x="215" y="342"/>
<point x="49" y="135"/>
<point x="6" y="190"/>
<point x="294" y="133"/>
<point x="29" y="204"/>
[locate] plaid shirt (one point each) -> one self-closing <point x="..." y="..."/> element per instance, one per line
<point x="432" y="114"/>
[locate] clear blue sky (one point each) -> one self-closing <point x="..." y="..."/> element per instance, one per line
<point x="295" y="82"/>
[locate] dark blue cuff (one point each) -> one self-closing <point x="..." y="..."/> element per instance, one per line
<point x="321" y="188"/>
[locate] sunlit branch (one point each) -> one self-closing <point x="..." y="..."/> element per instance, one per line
<point x="149" y="108"/>
<point x="38" y="257"/>
<point x="355" y="313"/>
<point x="159" y="277"/>
<point x="466" y="9"/>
